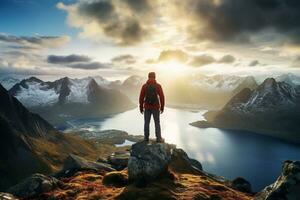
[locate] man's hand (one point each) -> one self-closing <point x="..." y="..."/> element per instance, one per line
<point x="142" y="110"/>
<point x="161" y="110"/>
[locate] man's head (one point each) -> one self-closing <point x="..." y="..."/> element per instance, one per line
<point x="151" y="75"/>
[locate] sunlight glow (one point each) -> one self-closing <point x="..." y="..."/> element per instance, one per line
<point x="172" y="67"/>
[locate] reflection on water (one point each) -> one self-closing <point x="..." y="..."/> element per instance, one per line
<point x="227" y="153"/>
<point x="126" y="143"/>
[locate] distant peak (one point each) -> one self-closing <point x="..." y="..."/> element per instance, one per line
<point x="34" y="79"/>
<point x="269" y="82"/>
<point x="65" y="78"/>
<point x="93" y="83"/>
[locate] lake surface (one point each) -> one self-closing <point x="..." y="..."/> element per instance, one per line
<point x="230" y="154"/>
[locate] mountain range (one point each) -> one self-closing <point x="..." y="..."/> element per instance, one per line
<point x="67" y="98"/>
<point x="272" y="109"/>
<point x="30" y="144"/>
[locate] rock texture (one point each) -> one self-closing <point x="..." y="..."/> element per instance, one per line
<point x="287" y="185"/>
<point x="119" y="159"/>
<point x="34" y="185"/>
<point x="148" y="160"/>
<point x="76" y="163"/>
<point x="242" y="185"/>
<point x="7" y="196"/>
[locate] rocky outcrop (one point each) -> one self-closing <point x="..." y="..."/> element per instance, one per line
<point x="119" y="159"/>
<point x="181" y="162"/>
<point x="241" y="184"/>
<point x="34" y="185"/>
<point x="148" y="160"/>
<point x="168" y="173"/>
<point x="76" y="163"/>
<point x="117" y="179"/>
<point x="7" y="196"/>
<point x="287" y="185"/>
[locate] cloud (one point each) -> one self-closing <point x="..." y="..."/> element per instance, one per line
<point x="227" y="59"/>
<point x="202" y="60"/>
<point x="233" y="20"/>
<point x="253" y="63"/>
<point x="173" y="55"/>
<point x="27" y="42"/>
<point x="88" y="65"/>
<point x="189" y="59"/>
<point x="124" y="22"/>
<point x="54" y="59"/>
<point x="125" y="59"/>
<point x="76" y="62"/>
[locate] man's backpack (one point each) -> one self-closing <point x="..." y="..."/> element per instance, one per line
<point x="151" y="94"/>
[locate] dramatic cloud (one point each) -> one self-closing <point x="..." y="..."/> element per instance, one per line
<point x="88" y="65"/>
<point x="189" y="59"/>
<point x="229" y="20"/>
<point x="173" y="55"/>
<point x="76" y="62"/>
<point x="202" y="60"/>
<point x="124" y="22"/>
<point x="54" y="59"/>
<point x="253" y="63"/>
<point x="25" y="42"/>
<point x="227" y="59"/>
<point x="125" y="59"/>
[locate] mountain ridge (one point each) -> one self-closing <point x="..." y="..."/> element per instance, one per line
<point x="67" y="98"/>
<point x="30" y="141"/>
<point x="271" y="109"/>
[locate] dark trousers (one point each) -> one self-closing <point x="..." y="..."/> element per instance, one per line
<point x="147" y="117"/>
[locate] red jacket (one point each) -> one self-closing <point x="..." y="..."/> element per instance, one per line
<point x="160" y="93"/>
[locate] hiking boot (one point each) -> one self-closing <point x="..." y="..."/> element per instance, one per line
<point x="160" y="140"/>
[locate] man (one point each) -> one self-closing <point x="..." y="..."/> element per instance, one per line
<point x="152" y="102"/>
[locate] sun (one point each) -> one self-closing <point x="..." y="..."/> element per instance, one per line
<point x="172" y="67"/>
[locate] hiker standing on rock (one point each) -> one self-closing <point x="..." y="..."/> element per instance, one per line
<point x="152" y="102"/>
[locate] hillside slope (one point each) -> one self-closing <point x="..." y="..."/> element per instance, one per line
<point x="30" y="144"/>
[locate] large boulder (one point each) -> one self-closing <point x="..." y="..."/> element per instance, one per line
<point x="148" y="160"/>
<point x="182" y="163"/>
<point x="287" y="185"/>
<point x="34" y="185"/>
<point x="241" y="184"/>
<point x="119" y="159"/>
<point x="75" y="163"/>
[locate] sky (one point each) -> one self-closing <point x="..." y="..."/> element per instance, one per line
<point x="118" y="38"/>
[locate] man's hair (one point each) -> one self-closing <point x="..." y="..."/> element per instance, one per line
<point x="151" y="75"/>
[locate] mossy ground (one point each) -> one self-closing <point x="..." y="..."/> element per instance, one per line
<point x="173" y="185"/>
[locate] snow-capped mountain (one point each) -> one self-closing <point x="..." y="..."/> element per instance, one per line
<point x="220" y="82"/>
<point x="9" y="81"/>
<point x="289" y="78"/>
<point x="269" y="95"/>
<point x="70" y="97"/>
<point x="35" y="92"/>
<point x="273" y="108"/>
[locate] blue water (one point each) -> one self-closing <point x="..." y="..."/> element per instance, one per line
<point x="230" y="154"/>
